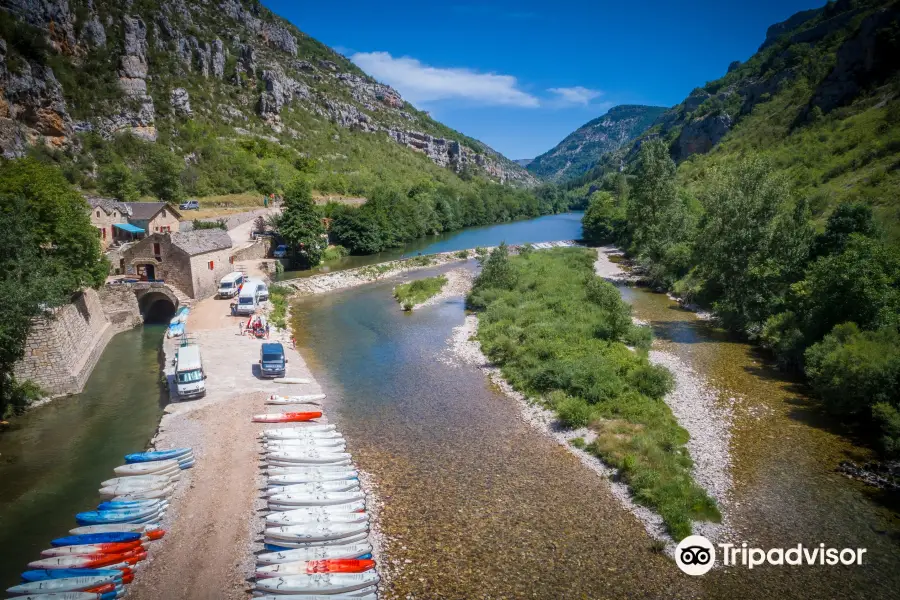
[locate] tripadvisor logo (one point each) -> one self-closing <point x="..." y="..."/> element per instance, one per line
<point x="695" y="555"/>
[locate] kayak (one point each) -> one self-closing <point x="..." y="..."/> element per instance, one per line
<point x="325" y="437"/>
<point x="300" y="428"/>
<point x="321" y="553"/>
<point x="68" y="584"/>
<point x="91" y="561"/>
<point x="349" y="507"/>
<point x="288" y="417"/>
<point x="118" y="505"/>
<point x="99" y="517"/>
<point x="308" y="456"/>
<point x="313" y="469"/>
<point x="135" y="493"/>
<point x="289" y="452"/>
<point x="328" y="583"/>
<point x="306" y="399"/>
<point x="156" y="455"/>
<point x="113" y="528"/>
<point x="346" y="485"/>
<point x="292" y="520"/>
<point x="311" y="477"/>
<point x="357" y="595"/>
<point x="137" y="486"/>
<point x="340" y="565"/>
<point x="141" y="480"/>
<point x="186" y="464"/>
<point x="102" y="538"/>
<point x="279" y="544"/>
<point x="291" y="380"/>
<point x="308" y="444"/>
<point x="151" y="468"/>
<point x="43" y="574"/>
<point x="109" y="548"/>
<point x="82" y="596"/>
<point x="315" y="532"/>
<point x="315" y="499"/>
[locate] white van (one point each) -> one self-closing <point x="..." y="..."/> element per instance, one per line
<point x="248" y="300"/>
<point x="262" y="291"/>
<point x="230" y="285"/>
<point x="190" y="380"/>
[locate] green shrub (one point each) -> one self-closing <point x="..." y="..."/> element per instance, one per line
<point x="653" y="381"/>
<point x="418" y="291"/>
<point x="334" y="253"/>
<point x="462" y="254"/>
<point x="578" y="443"/>
<point x="574" y="412"/>
<point x="217" y="224"/>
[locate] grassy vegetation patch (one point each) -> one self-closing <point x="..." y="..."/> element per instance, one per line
<point x="418" y="291"/>
<point x="278" y="296"/>
<point x="559" y="332"/>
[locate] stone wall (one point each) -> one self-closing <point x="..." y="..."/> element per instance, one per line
<point x="257" y="250"/>
<point x="171" y="264"/>
<point x="120" y="306"/>
<point x="205" y="280"/>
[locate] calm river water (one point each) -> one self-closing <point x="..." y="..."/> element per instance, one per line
<point x="53" y="459"/>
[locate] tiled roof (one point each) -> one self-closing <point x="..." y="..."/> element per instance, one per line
<point x="108" y="204"/>
<point x="201" y="241"/>
<point x="147" y="210"/>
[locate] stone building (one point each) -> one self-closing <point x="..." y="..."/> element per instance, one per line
<point x="153" y="217"/>
<point x="192" y="261"/>
<point x="111" y="220"/>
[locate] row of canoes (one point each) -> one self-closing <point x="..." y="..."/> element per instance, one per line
<point x="316" y="530"/>
<point x="99" y="557"/>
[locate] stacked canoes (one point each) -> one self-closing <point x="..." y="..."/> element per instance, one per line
<point x="98" y="558"/>
<point x="316" y="531"/>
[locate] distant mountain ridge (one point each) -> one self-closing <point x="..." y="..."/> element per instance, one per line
<point x="582" y="148"/>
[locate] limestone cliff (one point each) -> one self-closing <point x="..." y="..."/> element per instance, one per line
<point x="69" y="67"/>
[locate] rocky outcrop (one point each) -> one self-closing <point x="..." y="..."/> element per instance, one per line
<point x="700" y="135"/>
<point x="52" y="16"/>
<point x="32" y="107"/>
<point x="93" y="34"/>
<point x="139" y="115"/>
<point x="280" y="90"/>
<point x="279" y="37"/>
<point x="180" y="101"/>
<point x="778" y="29"/>
<point x="369" y="92"/>
<point x="218" y="59"/>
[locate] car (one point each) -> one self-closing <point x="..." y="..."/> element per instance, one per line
<point x="280" y="252"/>
<point x="189" y="205"/>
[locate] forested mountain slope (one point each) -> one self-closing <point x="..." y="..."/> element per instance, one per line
<point x="582" y="148"/>
<point x="223" y="92"/>
<point x="820" y="100"/>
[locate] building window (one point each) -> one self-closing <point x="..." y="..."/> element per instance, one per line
<point x="156" y="250"/>
<point x="164" y="213"/>
<point x="104" y="233"/>
<point x="211" y="265"/>
<point x="98" y="214"/>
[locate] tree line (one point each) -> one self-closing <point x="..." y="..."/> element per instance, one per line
<point x="824" y="302"/>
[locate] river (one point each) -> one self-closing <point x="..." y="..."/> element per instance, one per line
<point x="550" y="228"/>
<point x="54" y="457"/>
<point x="478" y="504"/>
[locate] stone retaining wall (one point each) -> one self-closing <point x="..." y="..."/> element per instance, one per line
<point x="62" y="349"/>
<point x="255" y="251"/>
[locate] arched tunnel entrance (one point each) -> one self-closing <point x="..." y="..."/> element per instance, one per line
<point x="156" y="307"/>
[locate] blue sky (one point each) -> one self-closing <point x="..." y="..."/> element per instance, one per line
<point x="520" y="76"/>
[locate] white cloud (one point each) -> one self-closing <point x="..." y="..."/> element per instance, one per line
<point x="576" y="95"/>
<point x="419" y="83"/>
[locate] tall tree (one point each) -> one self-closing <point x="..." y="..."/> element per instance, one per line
<point x="300" y="224"/>
<point x="652" y="201"/>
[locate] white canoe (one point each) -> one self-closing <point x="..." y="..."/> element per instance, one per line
<point x="318" y="583"/>
<point x="291" y="520"/>
<point x="311" y="477"/>
<point x="296" y="567"/>
<point x="304" y="399"/>
<point x="306" y="441"/>
<point x="149" y="495"/>
<point x="112" y="528"/>
<point x="280" y="468"/>
<point x="119" y="490"/>
<point x="353" y="539"/>
<point x="364" y="594"/>
<point x="141" y="480"/>
<point x="291" y="380"/>
<point x="317" y="510"/>
<point x="307" y="428"/>
<point x="306" y="554"/>
<point x="148" y="468"/>
<point x="316" y="532"/>
<point x="315" y="499"/>
<point x="312" y="469"/>
<point x="94" y="596"/>
<point x="314" y="487"/>
<point x="310" y="456"/>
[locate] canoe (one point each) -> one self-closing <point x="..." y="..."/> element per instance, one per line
<point x="320" y="553"/>
<point x="349" y="507"/>
<point x="308" y="456"/>
<point x="186" y="465"/>
<point x="137" y="486"/>
<point x="300" y="428"/>
<point x="110" y="548"/>
<point x="346" y="485"/>
<point x="132" y="503"/>
<point x="357" y="595"/>
<point x="138" y="480"/>
<point x="274" y="544"/>
<point x="314" y="469"/>
<point x="288" y="417"/>
<point x="328" y="583"/>
<point x="91" y="561"/>
<point x="151" y="468"/>
<point x="315" y="532"/>
<point x="100" y="517"/>
<point x="76" y="596"/>
<point x="112" y="528"/>
<point x="320" y="518"/>
<point x="315" y="499"/>
<point x="288" y="452"/>
<point x="325" y="437"/>
<point x="291" y="380"/>
<point x="120" y="494"/>
<point x="340" y="565"/>
<point x="42" y="574"/>
<point x="157" y="455"/>
<point x="311" y="477"/>
<point x="68" y="584"/>
<point x="100" y="538"/>
<point x="305" y="399"/>
<point x="310" y="443"/>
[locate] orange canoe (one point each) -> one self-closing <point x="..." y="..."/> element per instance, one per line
<point x="289" y="417"/>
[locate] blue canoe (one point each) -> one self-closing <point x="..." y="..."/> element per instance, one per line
<point x="119" y="505"/>
<point x="42" y="574"/>
<point x="96" y="538"/>
<point x="102" y="517"/>
<point x="140" y="457"/>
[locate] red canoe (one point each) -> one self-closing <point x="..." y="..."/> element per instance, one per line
<point x="290" y="417"/>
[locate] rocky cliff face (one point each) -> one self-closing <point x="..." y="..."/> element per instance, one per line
<point x="580" y="150"/>
<point x="231" y="60"/>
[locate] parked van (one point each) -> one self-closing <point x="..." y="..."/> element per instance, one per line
<point x="190" y="380"/>
<point x="272" y="362"/>
<point x="248" y="300"/>
<point x="230" y="285"/>
<point x="262" y="291"/>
